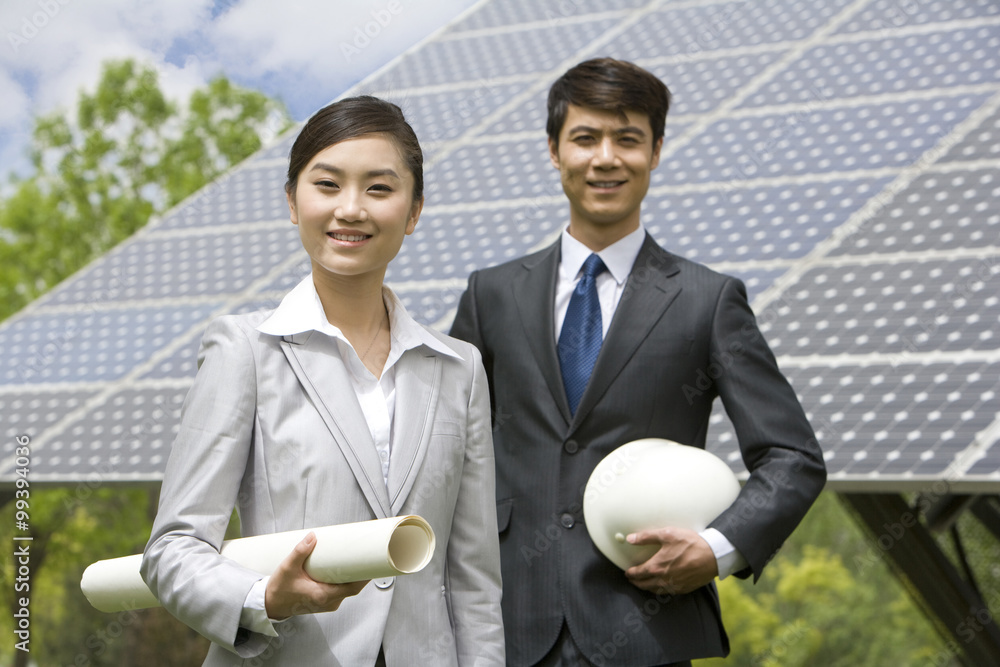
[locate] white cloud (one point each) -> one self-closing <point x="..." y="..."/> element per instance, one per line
<point x="53" y="48"/>
<point x="324" y="46"/>
<point x="13" y="111"/>
<point x="83" y="31"/>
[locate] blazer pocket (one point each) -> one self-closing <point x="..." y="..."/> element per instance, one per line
<point x="447" y="427"/>
<point x="504" y="508"/>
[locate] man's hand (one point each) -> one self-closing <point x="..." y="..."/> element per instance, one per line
<point x="290" y="591"/>
<point x="683" y="563"/>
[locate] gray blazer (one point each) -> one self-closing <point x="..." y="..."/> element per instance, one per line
<point x="273" y="428"/>
<point x="682" y="336"/>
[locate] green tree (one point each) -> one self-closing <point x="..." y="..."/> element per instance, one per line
<point x="126" y="154"/>
<point x="71" y="528"/>
<point x="814" y="607"/>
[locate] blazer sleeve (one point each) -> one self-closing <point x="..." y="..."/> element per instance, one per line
<point x="181" y="563"/>
<point x="473" y="555"/>
<point x="466" y="327"/>
<point x="777" y="443"/>
<point x="466" y="324"/>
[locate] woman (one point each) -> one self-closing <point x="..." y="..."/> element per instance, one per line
<point x="336" y="407"/>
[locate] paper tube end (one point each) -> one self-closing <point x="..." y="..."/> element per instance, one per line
<point x="115" y="585"/>
<point x="411" y="545"/>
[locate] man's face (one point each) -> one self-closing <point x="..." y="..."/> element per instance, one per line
<point x="604" y="160"/>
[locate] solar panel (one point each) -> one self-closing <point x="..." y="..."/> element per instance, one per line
<point x="842" y="158"/>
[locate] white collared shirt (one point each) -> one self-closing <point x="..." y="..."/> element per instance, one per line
<point x="301" y="310"/>
<point x="619" y="257"/>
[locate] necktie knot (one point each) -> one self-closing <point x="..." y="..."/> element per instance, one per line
<point x="594" y="266"/>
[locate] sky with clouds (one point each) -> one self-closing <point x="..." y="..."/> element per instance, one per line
<point x="305" y="52"/>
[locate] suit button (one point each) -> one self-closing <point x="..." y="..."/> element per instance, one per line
<point x="571" y="447"/>
<point x="566" y="519"/>
<point x="384" y="582"/>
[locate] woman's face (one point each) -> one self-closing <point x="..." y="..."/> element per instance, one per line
<point x="353" y="203"/>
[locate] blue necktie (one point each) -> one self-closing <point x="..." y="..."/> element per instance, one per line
<point x="581" y="335"/>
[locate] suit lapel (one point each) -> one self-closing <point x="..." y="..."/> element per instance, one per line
<point x="534" y="294"/>
<point x="648" y="293"/>
<point x="418" y="379"/>
<point x="324" y="377"/>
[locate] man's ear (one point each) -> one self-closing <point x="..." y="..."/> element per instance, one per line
<point x="415" y="210"/>
<point x="655" y="162"/>
<point x="554" y="152"/>
<point x="290" y="197"/>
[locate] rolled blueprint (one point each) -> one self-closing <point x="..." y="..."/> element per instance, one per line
<point x="343" y="553"/>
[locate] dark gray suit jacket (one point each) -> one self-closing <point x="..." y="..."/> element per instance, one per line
<point x="682" y="335"/>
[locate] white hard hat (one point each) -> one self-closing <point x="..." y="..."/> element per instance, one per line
<point x="653" y="483"/>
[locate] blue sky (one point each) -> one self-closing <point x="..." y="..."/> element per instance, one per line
<point x="306" y="52"/>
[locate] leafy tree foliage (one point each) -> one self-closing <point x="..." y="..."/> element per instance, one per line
<point x="821" y="604"/>
<point x="71" y="528"/>
<point x="126" y="154"/>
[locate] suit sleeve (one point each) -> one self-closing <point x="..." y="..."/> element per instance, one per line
<point x="181" y="563"/>
<point x="467" y="327"/>
<point x="473" y="565"/>
<point x="466" y="324"/>
<point x="777" y="443"/>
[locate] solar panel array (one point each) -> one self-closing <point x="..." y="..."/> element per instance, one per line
<point x="842" y="158"/>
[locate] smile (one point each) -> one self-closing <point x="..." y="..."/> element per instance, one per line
<point x="605" y="184"/>
<point x="351" y="238"/>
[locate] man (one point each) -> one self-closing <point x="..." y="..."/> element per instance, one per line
<point x="604" y="338"/>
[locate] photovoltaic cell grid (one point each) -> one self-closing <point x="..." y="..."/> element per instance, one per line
<point x="842" y="158"/>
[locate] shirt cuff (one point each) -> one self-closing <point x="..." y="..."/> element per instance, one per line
<point x="728" y="558"/>
<point x="254" y="615"/>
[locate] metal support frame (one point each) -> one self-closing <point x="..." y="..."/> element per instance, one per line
<point x="986" y="509"/>
<point x="929" y="576"/>
<point x="943" y="514"/>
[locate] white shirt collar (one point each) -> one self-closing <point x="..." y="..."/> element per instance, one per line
<point x="301" y="310"/>
<point x="619" y="257"/>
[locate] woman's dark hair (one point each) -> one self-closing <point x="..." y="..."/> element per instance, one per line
<point x="350" y="118"/>
<point x="608" y="85"/>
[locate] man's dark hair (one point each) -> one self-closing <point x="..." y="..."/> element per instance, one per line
<point x="608" y="85"/>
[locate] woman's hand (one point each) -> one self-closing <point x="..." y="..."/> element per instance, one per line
<point x="291" y="592"/>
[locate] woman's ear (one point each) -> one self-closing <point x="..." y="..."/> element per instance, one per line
<point x="415" y="210"/>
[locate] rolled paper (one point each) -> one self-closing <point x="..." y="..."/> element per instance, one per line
<point x="653" y="483"/>
<point x="343" y="553"/>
